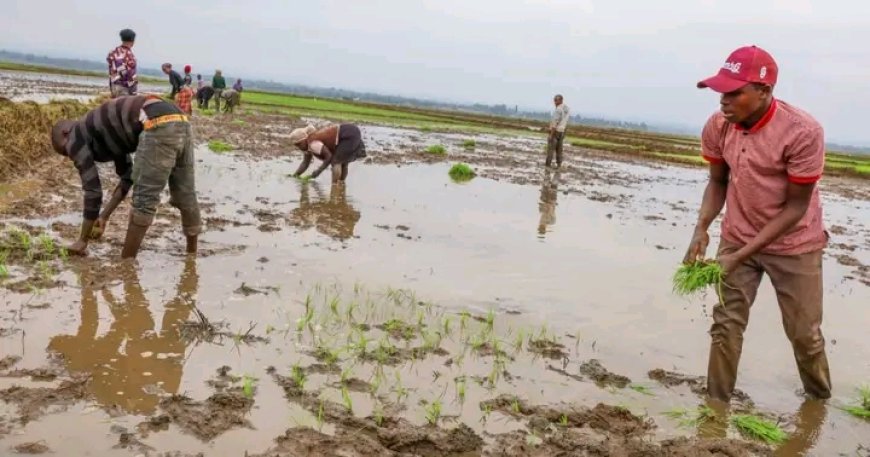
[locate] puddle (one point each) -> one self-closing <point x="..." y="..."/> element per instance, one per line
<point x="21" y="86"/>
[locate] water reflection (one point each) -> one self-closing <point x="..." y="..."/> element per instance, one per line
<point x="547" y="203"/>
<point x="131" y="363"/>
<point x="333" y="216"/>
<point x="809" y="420"/>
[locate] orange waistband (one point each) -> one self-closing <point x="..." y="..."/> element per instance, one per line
<point x="151" y="123"/>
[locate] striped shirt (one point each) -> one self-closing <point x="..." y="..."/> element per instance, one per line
<point x="108" y="133"/>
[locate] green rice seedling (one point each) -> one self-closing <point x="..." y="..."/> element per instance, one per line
<point x="377" y="379"/>
<point x="759" y="428"/>
<point x="487" y="410"/>
<point x="219" y="146"/>
<point x="378" y="414"/>
<point x="695" y="277"/>
<point x="401" y="391"/>
<point x="563" y="420"/>
<point x="460" y="172"/>
<point x="519" y="339"/>
<point x="4" y="270"/>
<point x="433" y="412"/>
<point x="320" y="416"/>
<point x="469" y="144"/>
<point x="692" y="419"/>
<point x="63" y="254"/>
<point x="641" y="389"/>
<point x="248" y="386"/>
<point x="346" y="374"/>
<point x="47" y="245"/>
<point x="45" y="270"/>
<point x="333" y="305"/>
<point x="345" y="398"/>
<point x="420" y="317"/>
<point x="515" y="406"/>
<point x="446" y="326"/>
<point x="862" y="409"/>
<point x="398" y="328"/>
<point x="490" y="319"/>
<point x="348" y="313"/>
<point x="436" y="149"/>
<point x="361" y="344"/>
<point x="25" y="242"/>
<point x="460" y="389"/>
<point x="463" y="321"/>
<point x="298" y="375"/>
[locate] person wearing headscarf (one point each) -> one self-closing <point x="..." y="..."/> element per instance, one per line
<point x="336" y="145"/>
<point x="188" y="78"/>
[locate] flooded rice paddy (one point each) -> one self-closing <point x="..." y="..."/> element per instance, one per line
<point x="526" y="312"/>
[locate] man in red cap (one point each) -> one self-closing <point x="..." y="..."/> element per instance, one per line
<point x="766" y="158"/>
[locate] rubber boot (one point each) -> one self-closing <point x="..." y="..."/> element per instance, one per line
<point x="135" y="234"/>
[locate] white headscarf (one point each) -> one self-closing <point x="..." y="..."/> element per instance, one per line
<point x="302" y="133"/>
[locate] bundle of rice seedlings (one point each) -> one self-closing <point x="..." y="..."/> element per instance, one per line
<point x="436" y="149"/>
<point x="461" y="172"/>
<point x="693" y="278"/>
<point x="759" y="428"/>
<point x="861" y="410"/>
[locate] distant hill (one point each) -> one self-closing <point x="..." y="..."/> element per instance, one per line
<point x="332" y="92"/>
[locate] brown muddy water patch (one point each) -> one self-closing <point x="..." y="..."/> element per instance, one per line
<point x="344" y="380"/>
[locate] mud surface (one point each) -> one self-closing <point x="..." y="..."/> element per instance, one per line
<point x="401" y="314"/>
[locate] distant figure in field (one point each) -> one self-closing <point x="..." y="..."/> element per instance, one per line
<point x="204" y="95"/>
<point x="188" y="78"/>
<point x="231" y="100"/>
<point x="336" y="145"/>
<point x="238" y="88"/>
<point x="218" y="83"/>
<point x="174" y="79"/>
<point x="122" y="66"/>
<point x="558" y="124"/>
<point x="199" y="82"/>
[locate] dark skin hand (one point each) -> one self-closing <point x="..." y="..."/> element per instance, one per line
<point x="325" y="156"/>
<point x="745" y="106"/>
<point x="100" y="224"/>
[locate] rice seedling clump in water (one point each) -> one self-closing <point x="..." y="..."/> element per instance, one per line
<point x="695" y="277"/>
<point x="461" y="172"/>
<point x="219" y="146"/>
<point x="436" y="149"/>
<point x="759" y="428"/>
<point x="861" y="410"/>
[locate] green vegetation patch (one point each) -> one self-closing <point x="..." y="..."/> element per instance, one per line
<point x="758" y="428"/>
<point x="461" y="172"/>
<point x="436" y="149"/>
<point x="219" y="146"/>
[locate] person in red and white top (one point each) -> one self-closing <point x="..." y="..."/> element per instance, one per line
<point x="766" y="158"/>
<point x="122" y="66"/>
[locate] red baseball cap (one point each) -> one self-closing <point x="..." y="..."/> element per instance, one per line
<point x="749" y="64"/>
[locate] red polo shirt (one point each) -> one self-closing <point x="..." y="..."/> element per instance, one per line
<point x="787" y="144"/>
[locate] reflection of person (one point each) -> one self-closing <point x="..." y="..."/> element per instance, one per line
<point x="547" y="204"/>
<point x="333" y="216"/>
<point x="164" y="153"/>
<point x="558" y="124"/>
<point x="122" y="66"/>
<point x="766" y="157"/>
<point x="336" y="145"/>
<point x="130" y="356"/>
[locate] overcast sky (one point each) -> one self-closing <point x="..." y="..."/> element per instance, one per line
<point x="636" y="60"/>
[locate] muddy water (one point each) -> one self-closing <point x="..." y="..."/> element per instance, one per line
<point x="28" y="86"/>
<point x="542" y="256"/>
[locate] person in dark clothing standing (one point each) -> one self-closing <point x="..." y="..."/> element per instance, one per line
<point x="218" y="83"/>
<point x="174" y="79"/>
<point x="161" y="137"/>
